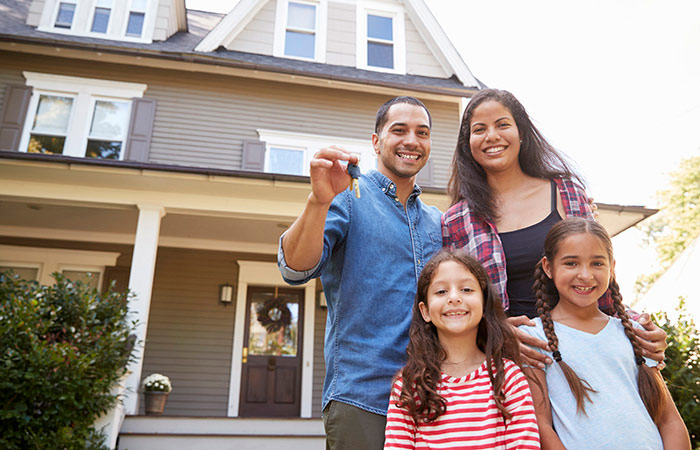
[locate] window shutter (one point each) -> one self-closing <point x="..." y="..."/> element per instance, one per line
<point x="14" y="113"/>
<point x="253" y="156"/>
<point x="425" y="176"/>
<point x="138" y="143"/>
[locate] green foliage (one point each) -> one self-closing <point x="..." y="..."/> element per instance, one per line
<point x="678" y="223"/>
<point x="62" y="349"/>
<point x="682" y="372"/>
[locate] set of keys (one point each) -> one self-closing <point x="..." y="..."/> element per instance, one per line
<point x="354" y="172"/>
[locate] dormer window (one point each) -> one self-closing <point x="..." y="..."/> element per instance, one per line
<point x="380" y="37"/>
<point x="65" y="14"/>
<point x="137" y="14"/>
<point x="100" y="18"/>
<point x="300" y="29"/>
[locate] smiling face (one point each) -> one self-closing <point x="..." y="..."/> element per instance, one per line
<point x="494" y="138"/>
<point x="581" y="270"/>
<point x="403" y="143"/>
<point x="455" y="301"/>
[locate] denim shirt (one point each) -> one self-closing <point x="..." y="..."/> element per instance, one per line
<point x="373" y="252"/>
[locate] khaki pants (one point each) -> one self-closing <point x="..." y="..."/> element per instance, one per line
<point x="351" y="428"/>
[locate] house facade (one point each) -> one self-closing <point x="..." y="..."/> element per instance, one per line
<point x="167" y="150"/>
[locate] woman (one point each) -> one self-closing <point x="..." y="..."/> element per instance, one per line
<point x="508" y="187"/>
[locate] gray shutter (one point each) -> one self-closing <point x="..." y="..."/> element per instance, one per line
<point x="253" y="156"/>
<point x="425" y="176"/>
<point x="138" y="143"/>
<point x="14" y="113"/>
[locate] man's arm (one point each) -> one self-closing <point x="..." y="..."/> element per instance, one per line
<point x="303" y="242"/>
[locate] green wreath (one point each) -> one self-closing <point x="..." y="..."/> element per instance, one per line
<point x="273" y="314"/>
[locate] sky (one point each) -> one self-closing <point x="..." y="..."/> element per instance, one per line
<point x="614" y="84"/>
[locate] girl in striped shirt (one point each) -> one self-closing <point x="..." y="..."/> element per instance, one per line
<point x="458" y="390"/>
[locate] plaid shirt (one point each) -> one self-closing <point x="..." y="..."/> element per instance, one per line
<point x="462" y="229"/>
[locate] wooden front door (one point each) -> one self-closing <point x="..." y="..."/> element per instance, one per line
<point x="271" y="369"/>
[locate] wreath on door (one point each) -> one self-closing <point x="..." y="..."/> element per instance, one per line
<point x="274" y="314"/>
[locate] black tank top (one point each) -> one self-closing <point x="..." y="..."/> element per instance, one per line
<point x="523" y="249"/>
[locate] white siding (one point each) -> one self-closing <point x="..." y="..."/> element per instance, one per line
<point x="341" y="34"/>
<point x="35" y="11"/>
<point x="419" y="59"/>
<point x="258" y="35"/>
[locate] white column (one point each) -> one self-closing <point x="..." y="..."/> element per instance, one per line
<point x="143" y="263"/>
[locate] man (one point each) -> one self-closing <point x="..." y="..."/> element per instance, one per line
<point x="368" y="253"/>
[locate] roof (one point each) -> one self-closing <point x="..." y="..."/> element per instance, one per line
<point x="181" y="47"/>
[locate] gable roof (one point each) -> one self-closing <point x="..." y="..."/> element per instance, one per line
<point x="428" y="27"/>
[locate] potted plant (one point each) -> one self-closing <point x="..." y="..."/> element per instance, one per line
<point x="156" y="388"/>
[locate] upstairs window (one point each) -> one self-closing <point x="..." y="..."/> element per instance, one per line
<point x="100" y="17"/>
<point x="137" y="14"/>
<point x="65" y="14"/>
<point x="300" y="29"/>
<point x="81" y="117"/>
<point x="380" y="44"/>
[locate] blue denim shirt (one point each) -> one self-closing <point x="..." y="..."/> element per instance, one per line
<point x="373" y="252"/>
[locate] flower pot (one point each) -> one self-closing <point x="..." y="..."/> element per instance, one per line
<point x="155" y="402"/>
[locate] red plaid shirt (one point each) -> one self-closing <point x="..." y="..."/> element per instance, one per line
<point x="462" y="229"/>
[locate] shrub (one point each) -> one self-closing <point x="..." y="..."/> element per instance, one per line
<point x="62" y="349"/>
<point x="682" y="372"/>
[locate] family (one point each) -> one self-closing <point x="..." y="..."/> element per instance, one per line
<point x="517" y="337"/>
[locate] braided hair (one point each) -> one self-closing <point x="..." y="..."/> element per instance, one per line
<point x="421" y="375"/>
<point x="648" y="380"/>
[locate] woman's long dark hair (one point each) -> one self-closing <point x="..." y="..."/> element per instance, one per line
<point x="495" y="338"/>
<point x="538" y="158"/>
<point x="649" y="381"/>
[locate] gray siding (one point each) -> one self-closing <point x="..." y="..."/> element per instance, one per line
<point x="419" y="59"/>
<point x="258" y="35"/>
<point x="319" y="360"/>
<point x="35" y="11"/>
<point x="342" y="32"/>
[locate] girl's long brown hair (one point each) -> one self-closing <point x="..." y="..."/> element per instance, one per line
<point x="648" y="380"/>
<point x="495" y="338"/>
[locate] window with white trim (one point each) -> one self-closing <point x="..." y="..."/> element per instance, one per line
<point x="380" y="37"/>
<point x="81" y="117"/>
<point x="290" y="153"/>
<point x="124" y="20"/>
<point x="300" y="29"/>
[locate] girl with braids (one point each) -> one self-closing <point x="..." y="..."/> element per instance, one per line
<point x="600" y="392"/>
<point x="458" y="390"/>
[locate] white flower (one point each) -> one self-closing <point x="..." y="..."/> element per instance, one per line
<point x="157" y="383"/>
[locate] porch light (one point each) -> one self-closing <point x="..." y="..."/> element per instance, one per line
<point x="225" y="293"/>
<point x="322" y="299"/>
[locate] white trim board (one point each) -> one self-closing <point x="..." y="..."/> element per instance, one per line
<point x="267" y="274"/>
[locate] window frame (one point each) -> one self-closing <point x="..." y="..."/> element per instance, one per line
<point x="56" y="11"/>
<point x="86" y="91"/>
<point x="320" y="35"/>
<point x="396" y="13"/>
<point x="311" y="143"/>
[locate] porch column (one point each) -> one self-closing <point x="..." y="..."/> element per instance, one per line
<point x="143" y="263"/>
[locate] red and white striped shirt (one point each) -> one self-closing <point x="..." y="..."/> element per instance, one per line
<point x="471" y="419"/>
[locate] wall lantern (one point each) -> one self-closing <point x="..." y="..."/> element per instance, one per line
<point x="322" y="299"/>
<point x="226" y="293"/>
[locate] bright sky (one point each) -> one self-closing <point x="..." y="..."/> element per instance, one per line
<point x="614" y="84"/>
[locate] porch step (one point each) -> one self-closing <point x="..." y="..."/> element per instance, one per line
<point x="220" y="433"/>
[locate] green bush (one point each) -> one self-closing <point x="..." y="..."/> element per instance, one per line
<point x="682" y="372"/>
<point x="62" y="349"/>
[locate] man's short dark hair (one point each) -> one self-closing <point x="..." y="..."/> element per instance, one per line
<point x="384" y="109"/>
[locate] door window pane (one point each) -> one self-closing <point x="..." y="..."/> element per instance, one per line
<point x="90" y="278"/>
<point x="379" y="27"/>
<point x="135" y="25"/>
<point x="100" y="20"/>
<point x="286" y="161"/>
<point x="64" y="18"/>
<point x="273" y="324"/>
<point x="25" y="273"/>
<point x="380" y="55"/>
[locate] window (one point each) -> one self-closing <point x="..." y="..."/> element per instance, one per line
<point x="100" y="18"/>
<point x="380" y="44"/>
<point x="91" y="277"/>
<point x="64" y="16"/>
<point x="137" y="14"/>
<point x="300" y="29"/>
<point x="290" y="153"/>
<point x="25" y="272"/>
<point x="78" y="116"/>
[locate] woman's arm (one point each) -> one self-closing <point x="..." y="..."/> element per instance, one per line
<point x="400" y="432"/>
<point x="543" y="411"/>
<point x="671" y="427"/>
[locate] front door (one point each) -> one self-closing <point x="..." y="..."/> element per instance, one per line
<point x="271" y="369"/>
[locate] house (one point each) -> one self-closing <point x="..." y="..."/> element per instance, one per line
<point x="167" y="149"/>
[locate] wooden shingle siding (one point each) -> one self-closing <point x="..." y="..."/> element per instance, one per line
<point x="319" y="361"/>
<point x="35" y="10"/>
<point x="258" y="35"/>
<point x="342" y="31"/>
<point x="419" y="58"/>
<point x="190" y="333"/>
